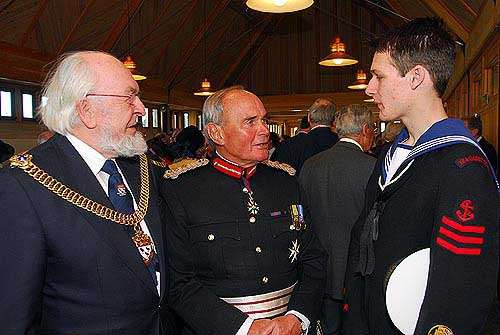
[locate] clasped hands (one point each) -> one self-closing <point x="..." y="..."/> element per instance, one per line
<point x="282" y="325"/>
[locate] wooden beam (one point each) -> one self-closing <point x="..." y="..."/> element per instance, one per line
<point x="72" y="31"/>
<point x="25" y="52"/>
<point x="469" y="8"/>
<point x="484" y="27"/>
<point x="186" y="53"/>
<point x="120" y="24"/>
<point x="398" y="8"/>
<point x="154" y="26"/>
<point x="41" y="8"/>
<point x="257" y="52"/>
<point x="213" y="47"/>
<point x="451" y="20"/>
<point x="255" y="36"/>
<point x="170" y="38"/>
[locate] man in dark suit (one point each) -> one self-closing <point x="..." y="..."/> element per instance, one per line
<point x="81" y="241"/>
<point x="333" y="184"/>
<point x="475" y="125"/>
<point x="283" y="152"/>
<point x="319" y="138"/>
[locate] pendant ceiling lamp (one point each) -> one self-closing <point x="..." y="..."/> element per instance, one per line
<point x="132" y="66"/>
<point x="279" y="6"/>
<point x="128" y="61"/>
<point x="205" y="89"/>
<point x="361" y="82"/>
<point x="338" y="57"/>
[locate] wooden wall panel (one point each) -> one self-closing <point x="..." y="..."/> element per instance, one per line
<point x="478" y="91"/>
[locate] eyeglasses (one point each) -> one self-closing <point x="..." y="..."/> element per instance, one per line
<point x="130" y="98"/>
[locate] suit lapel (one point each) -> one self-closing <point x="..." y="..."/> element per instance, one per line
<point x="76" y="174"/>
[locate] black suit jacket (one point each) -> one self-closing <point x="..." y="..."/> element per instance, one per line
<point x="67" y="271"/>
<point x="333" y="187"/>
<point x="299" y="149"/>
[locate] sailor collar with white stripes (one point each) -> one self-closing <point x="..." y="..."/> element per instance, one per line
<point x="441" y="134"/>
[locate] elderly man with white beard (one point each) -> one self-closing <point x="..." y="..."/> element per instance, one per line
<point x="81" y="241"/>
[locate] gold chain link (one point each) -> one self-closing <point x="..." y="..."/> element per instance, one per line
<point x="25" y="163"/>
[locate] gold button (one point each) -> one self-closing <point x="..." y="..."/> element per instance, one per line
<point x="258" y="250"/>
<point x="252" y="219"/>
<point x="265" y="280"/>
<point x="292" y="227"/>
<point x="211" y="237"/>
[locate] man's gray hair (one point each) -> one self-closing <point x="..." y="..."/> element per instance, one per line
<point x="351" y="118"/>
<point x="213" y="107"/>
<point x="322" y="112"/>
<point x="69" y="81"/>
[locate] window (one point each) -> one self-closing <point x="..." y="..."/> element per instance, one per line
<point x="6" y="108"/>
<point x="186" y="119"/>
<point x="174" y="121"/>
<point x="199" y="122"/>
<point x="28" y="106"/>
<point x="154" y="115"/>
<point x="145" y="119"/>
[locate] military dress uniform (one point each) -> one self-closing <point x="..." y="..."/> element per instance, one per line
<point x="240" y="246"/>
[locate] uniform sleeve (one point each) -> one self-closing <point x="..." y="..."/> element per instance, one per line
<point x="464" y="248"/>
<point x="202" y="310"/>
<point x="307" y="296"/>
<point x="22" y="259"/>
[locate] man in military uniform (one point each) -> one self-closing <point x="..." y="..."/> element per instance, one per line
<point x="242" y="257"/>
<point x="432" y="191"/>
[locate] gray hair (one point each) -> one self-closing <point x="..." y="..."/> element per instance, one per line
<point x="69" y="81"/>
<point x="350" y="119"/>
<point x="213" y="108"/>
<point x="322" y="112"/>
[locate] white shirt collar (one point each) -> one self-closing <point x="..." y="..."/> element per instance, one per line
<point x="319" y="126"/>
<point x="94" y="159"/>
<point x="350" y="140"/>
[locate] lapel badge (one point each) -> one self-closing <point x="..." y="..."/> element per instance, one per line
<point x="297" y="213"/>
<point x="121" y="190"/>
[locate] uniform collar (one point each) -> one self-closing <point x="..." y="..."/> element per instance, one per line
<point x="232" y="169"/>
<point x="94" y="159"/>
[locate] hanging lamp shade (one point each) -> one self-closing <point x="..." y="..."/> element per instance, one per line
<point x="130" y="64"/>
<point x="361" y="82"/>
<point x="279" y="6"/>
<point x="205" y="89"/>
<point x="338" y="57"/>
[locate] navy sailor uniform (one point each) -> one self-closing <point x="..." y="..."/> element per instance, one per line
<point x="443" y="197"/>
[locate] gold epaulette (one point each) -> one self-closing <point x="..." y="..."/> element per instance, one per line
<point x="185" y="165"/>
<point x="160" y="164"/>
<point x="280" y="166"/>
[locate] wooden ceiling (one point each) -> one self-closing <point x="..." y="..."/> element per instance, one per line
<point x="270" y="54"/>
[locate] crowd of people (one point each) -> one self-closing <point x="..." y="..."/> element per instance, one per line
<point x="232" y="232"/>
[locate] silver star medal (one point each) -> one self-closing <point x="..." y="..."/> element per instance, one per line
<point x="294" y="251"/>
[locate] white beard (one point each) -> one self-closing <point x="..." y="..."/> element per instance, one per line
<point x="126" y="146"/>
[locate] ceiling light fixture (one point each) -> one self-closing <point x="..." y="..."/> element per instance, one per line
<point x="338" y="57"/>
<point x="279" y="6"/>
<point x="128" y="61"/>
<point x="361" y="82"/>
<point x="205" y="88"/>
